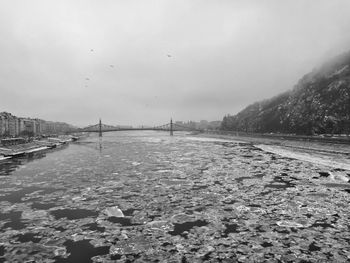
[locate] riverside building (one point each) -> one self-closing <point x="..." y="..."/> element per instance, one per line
<point x="13" y="126"/>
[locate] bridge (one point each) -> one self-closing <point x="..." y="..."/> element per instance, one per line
<point x="169" y="127"/>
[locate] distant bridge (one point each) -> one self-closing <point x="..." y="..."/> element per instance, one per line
<point x="170" y="127"/>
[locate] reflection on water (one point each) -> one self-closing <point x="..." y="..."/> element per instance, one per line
<point x="182" y="198"/>
<point x="75" y="250"/>
<point x="100" y="144"/>
<point x="179" y="229"/>
<point x="28" y="237"/>
<point x="10" y="165"/>
<point x="12" y="220"/>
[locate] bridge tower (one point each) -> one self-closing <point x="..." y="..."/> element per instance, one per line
<point x="100" y="129"/>
<point x="171" y="127"/>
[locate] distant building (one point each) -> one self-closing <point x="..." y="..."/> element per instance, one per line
<point x="50" y="127"/>
<point x="9" y="125"/>
<point x="12" y="126"/>
<point x="28" y="127"/>
<point x="3" y="123"/>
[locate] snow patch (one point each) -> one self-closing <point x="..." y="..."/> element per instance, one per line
<point x="303" y="156"/>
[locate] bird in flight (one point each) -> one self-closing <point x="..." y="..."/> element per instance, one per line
<point x="87" y="79"/>
<point x="112" y="66"/>
<point x="169" y="56"/>
<point x="91" y="50"/>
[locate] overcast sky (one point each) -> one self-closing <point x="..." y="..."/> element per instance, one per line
<point x="142" y="62"/>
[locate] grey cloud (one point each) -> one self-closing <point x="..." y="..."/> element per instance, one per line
<point x="223" y="56"/>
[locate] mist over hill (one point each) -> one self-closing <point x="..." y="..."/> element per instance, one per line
<point x="319" y="103"/>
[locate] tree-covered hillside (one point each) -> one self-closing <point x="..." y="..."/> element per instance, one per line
<point x="318" y="104"/>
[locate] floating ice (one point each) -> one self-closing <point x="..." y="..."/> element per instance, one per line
<point x="338" y="176"/>
<point x="289" y="224"/>
<point x="113" y="211"/>
<point x="242" y="208"/>
<point x="60" y="251"/>
<point x="130" y="246"/>
<point x="161" y="225"/>
<point x="181" y="218"/>
<point x="31" y="214"/>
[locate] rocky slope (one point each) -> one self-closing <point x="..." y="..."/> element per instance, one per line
<point x="318" y="104"/>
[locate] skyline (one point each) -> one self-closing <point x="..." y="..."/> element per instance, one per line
<point x="11" y="116"/>
<point x="134" y="63"/>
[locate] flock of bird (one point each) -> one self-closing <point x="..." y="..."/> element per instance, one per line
<point x="111" y="66"/>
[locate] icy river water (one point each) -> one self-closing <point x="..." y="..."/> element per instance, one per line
<point x="149" y="197"/>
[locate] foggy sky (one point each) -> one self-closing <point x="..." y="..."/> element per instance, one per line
<point x="142" y="62"/>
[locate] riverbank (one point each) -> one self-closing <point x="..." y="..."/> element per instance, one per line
<point x="332" y="145"/>
<point x="13" y="151"/>
<point x="333" y="155"/>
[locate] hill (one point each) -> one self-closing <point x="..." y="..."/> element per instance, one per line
<point x="319" y="103"/>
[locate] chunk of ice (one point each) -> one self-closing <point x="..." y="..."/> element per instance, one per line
<point x="113" y="211"/>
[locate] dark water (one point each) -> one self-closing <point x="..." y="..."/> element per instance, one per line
<point x="184" y="199"/>
<point x="179" y="229"/>
<point x="82" y="251"/>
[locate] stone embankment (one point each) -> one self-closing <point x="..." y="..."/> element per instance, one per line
<point x="13" y="151"/>
<point x="332" y="144"/>
<point x="330" y="153"/>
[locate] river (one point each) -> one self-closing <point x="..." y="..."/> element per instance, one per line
<point x="149" y="197"/>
